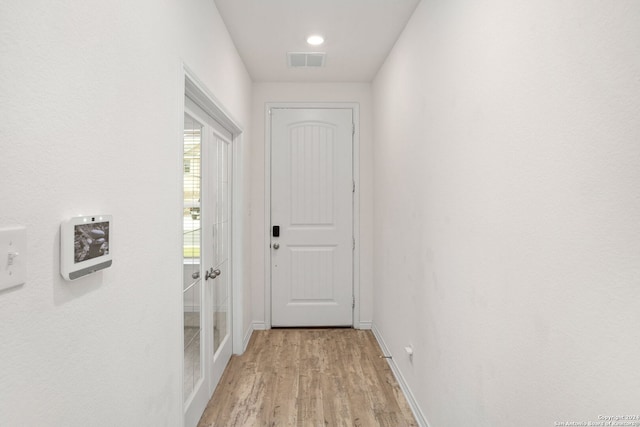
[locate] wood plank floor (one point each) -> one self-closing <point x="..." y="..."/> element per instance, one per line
<point x="308" y="377"/>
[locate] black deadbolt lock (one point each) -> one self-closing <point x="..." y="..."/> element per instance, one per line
<point x="276" y="231"/>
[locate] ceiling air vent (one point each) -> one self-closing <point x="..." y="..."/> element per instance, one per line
<point x="305" y="59"/>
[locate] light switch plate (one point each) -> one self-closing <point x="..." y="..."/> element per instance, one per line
<point x="13" y="257"/>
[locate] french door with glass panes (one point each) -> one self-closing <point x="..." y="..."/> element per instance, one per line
<point x="206" y="257"/>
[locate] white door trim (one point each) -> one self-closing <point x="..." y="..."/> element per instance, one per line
<point x="355" y="107"/>
<point x="197" y="91"/>
<point x="190" y="85"/>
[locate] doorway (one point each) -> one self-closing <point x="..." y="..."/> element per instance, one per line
<point x="311" y="229"/>
<point x="207" y="161"/>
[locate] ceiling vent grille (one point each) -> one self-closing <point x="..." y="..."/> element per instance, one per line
<point x="306" y="59"/>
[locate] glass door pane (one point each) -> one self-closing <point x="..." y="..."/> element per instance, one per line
<point x="222" y="300"/>
<point x="192" y="282"/>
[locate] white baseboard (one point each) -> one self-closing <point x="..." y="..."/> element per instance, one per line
<point x="365" y="325"/>
<point x="417" y="412"/>
<point x="247" y="337"/>
<point x="259" y="326"/>
<point x="255" y="326"/>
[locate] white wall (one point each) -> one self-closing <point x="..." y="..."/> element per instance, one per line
<point x="310" y="92"/>
<point x="507" y="232"/>
<point x="91" y="123"/>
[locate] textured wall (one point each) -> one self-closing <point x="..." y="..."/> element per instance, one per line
<point x="90" y="124"/>
<point x="506" y="210"/>
<point x="307" y="92"/>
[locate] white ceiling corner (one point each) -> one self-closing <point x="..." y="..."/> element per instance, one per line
<point x="358" y="36"/>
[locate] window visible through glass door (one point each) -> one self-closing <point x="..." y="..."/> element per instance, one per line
<point x="207" y="172"/>
<point x="192" y="230"/>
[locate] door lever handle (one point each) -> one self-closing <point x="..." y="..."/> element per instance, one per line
<point x="211" y="274"/>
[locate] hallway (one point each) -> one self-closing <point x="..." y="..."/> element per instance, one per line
<point x="495" y="195"/>
<point x="308" y="377"/>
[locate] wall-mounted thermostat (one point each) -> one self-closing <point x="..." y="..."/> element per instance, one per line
<point x="85" y="245"/>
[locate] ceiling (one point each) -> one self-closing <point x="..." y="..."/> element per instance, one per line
<point x="358" y="36"/>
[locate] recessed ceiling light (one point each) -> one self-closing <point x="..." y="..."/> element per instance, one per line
<point x="315" y="40"/>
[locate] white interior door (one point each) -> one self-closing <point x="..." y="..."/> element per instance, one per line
<point x="218" y="276"/>
<point x="194" y="383"/>
<point x="207" y="278"/>
<point x="312" y="204"/>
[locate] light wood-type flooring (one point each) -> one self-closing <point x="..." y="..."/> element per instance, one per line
<point x="308" y="377"/>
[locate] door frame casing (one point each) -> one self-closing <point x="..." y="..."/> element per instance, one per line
<point x="355" y="108"/>
<point x="190" y="85"/>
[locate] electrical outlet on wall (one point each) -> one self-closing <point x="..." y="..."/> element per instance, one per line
<point x="409" y="351"/>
